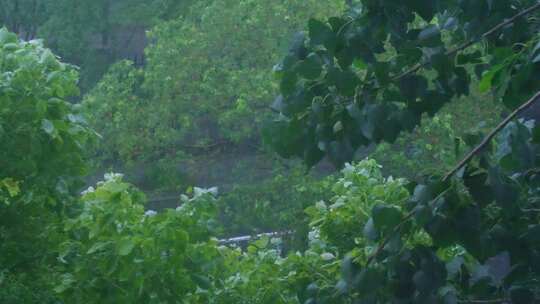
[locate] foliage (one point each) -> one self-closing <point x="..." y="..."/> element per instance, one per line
<point x="23" y="288"/>
<point x="86" y="33"/>
<point x="43" y="138"/>
<point x="367" y="76"/>
<point x="205" y="84"/>
<point x="352" y="81"/>
<point x="120" y="253"/>
<point x="440" y="141"/>
<point x="361" y="189"/>
<point x="275" y="204"/>
<point x="260" y="275"/>
<point x="345" y="84"/>
<point x="252" y="277"/>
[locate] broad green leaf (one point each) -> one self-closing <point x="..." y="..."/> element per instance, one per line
<point x="386" y="217"/>
<point x="67" y="281"/>
<point x="370" y="280"/>
<point x="310" y="68"/>
<point x="125" y="246"/>
<point x="10" y="47"/>
<point x="486" y="81"/>
<point x="429" y="32"/>
<point x="319" y="32"/>
<point x="116" y="187"/>
<point x="97" y="247"/>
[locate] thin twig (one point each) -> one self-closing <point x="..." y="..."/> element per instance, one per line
<point x="473" y="41"/>
<point x="492" y="134"/>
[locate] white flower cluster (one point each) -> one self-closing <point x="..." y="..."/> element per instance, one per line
<point x="89" y="190"/>
<point x="150" y="213"/>
<point x="108" y="177"/>
<point x="198" y="192"/>
<point x="113" y="176"/>
<point x="327" y="256"/>
<point x="201" y="191"/>
<point x="314" y="235"/>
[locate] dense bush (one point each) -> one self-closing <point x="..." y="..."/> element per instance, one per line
<point x="365" y="78"/>
<point x="261" y="275"/>
<point x="118" y="253"/>
<point x="42" y="139"/>
<point x="360" y="189"/>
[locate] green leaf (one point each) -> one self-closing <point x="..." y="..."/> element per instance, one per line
<point x="67" y="281"/>
<point x="370" y="232"/>
<point x="310" y="68"/>
<point x="115" y="187"/>
<point x="345" y="81"/>
<point x="10" y="47"/>
<point x="424" y="8"/>
<point x="97" y="247"/>
<point x="321" y="34"/>
<point x="359" y="64"/>
<point x="469" y="58"/>
<point x="413" y="87"/>
<point x="288" y="83"/>
<point x="313" y="155"/>
<point x="7" y="37"/>
<point x="499" y="267"/>
<point x="386" y="217"/>
<point x="125" y="246"/>
<point x="369" y="280"/>
<point x="429" y="32"/>
<point x="487" y="79"/>
<point x="454" y="266"/>
<point x="12" y="186"/>
<point x="338" y="127"/>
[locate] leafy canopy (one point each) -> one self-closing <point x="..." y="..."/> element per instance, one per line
<point x="365" y="77"/>
<point x="206" y="82"/>
<point x="42" y="137"/>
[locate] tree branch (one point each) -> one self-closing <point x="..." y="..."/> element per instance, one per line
<point x="492" y="134"/>
<point x="388" y="238"/>
<point x="396" y="230"/>
<point x="473" y="41"/>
